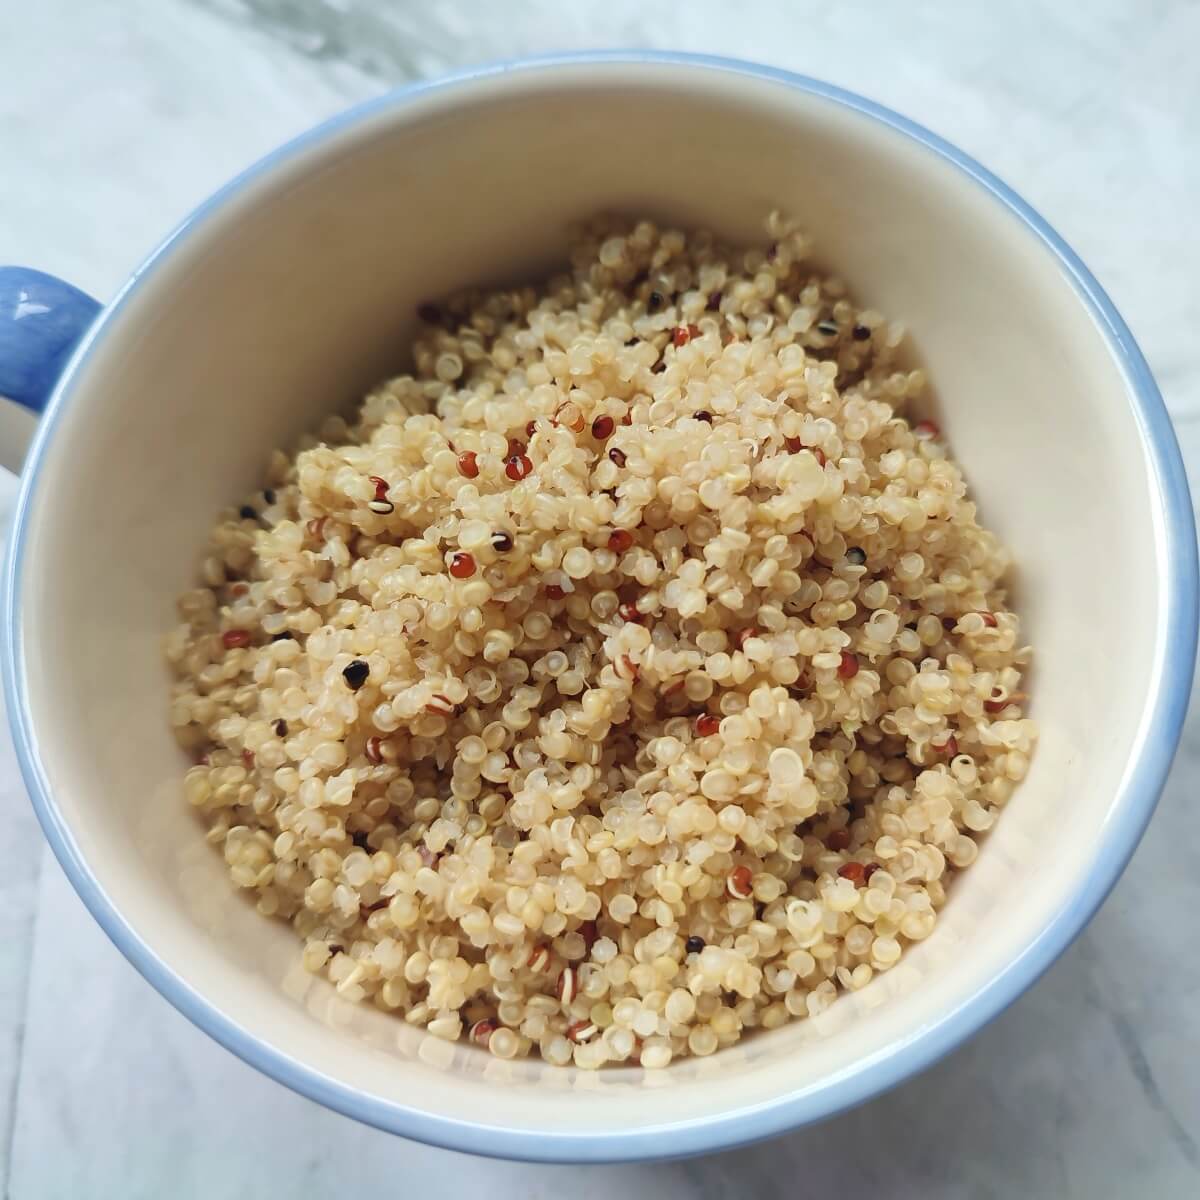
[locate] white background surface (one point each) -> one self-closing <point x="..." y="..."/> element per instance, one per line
<point x="117" y="118"/>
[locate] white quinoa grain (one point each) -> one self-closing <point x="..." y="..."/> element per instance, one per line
<point x="442" y="693"/>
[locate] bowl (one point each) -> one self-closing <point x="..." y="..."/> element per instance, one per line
<point x="294" y="289"/>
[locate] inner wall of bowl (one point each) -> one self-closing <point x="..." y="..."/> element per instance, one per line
<point x="298" y="292"/>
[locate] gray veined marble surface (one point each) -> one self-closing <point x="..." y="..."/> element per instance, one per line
<point x="116" y="118"/>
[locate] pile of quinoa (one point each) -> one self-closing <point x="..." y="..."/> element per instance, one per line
<point x="631" y="675"/>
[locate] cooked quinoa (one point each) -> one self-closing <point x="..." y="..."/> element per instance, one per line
<point x="631" y="675"/>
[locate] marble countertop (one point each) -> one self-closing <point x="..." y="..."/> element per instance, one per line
<point x="115" y="119"/>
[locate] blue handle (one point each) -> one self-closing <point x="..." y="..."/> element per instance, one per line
<point x="42" y="319"/>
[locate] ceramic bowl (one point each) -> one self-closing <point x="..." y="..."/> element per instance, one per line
<point x="293" y="290"/>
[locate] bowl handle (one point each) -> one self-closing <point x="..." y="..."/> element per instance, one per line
<point x="42" y="319"/>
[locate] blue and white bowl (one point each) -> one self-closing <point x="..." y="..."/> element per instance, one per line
<point x="293" y="290"/>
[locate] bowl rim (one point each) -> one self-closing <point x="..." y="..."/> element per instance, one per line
<point x="1135" y="801"/>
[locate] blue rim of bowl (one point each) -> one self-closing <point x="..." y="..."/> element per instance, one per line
<point x="1137" y="796"/>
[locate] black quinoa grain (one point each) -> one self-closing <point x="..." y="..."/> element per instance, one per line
<point x="247" y="513"/>
<point x="281" y="728"/>
<point x="694" y="944"/>
<point x="829" y="328"/>
<point x="860" y="333"/>
<point x="269" y="495"/>
<point x="501" y="542"/>
<point x="704" y="416"/>
<point x="618" y="456"/>
<point x="655" y="301"/>
<point x="857" y="555"/>
<point x="355" y="674"/>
